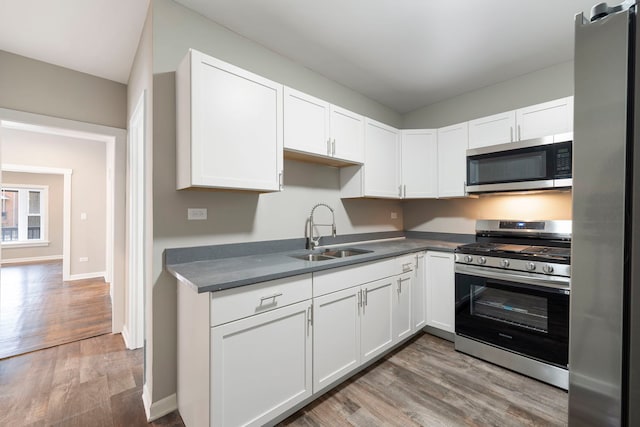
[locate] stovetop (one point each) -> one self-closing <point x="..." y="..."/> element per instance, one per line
<point x="515" y="251"/>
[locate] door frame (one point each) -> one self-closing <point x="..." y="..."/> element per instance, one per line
<point x="115" y="145"/>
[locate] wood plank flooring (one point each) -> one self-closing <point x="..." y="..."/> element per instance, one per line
<point x="428" y="383"/>
<point x="94" y="382"/>
<point x="38" y="310"/>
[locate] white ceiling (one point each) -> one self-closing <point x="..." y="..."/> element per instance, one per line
<point x="98" y="37"/>
<point x="402" y="53"/>
<point x="408" y="53"/>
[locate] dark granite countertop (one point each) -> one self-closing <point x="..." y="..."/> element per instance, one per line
<point x="218" y="274"/>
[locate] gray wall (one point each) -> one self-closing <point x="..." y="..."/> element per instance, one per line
<point x="533" y="88"/>
<point x="235" y="216"/>
<point x="54" y="225"/>
<point x="459" y="215"/>
<point x="42" y="88"/>
<point x="87" y="159"/>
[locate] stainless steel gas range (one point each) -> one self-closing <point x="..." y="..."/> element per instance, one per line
<point x="512" y="297"/>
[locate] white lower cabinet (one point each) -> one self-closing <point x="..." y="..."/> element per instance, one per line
<point x="441" y="291"/>
<point x="248" y="355"/>
<point x="261" y="366"/>
<point x="336" y="336"/>
<point x="376" y="328"/>
<point x="402" y="306"/>
<point x="419" y="293"/>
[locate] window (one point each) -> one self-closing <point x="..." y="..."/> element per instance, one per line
<point x="24" y="211"/>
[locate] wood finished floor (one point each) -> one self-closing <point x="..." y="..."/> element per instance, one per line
<point x="93" y="382"/>
<point x="38" y="310"/>
<point x="428" y="383"/>
<point x="97" y="382"/>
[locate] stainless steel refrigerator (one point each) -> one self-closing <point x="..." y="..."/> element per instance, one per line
<point x="604" y="343"/>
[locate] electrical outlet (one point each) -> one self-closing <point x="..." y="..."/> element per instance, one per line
<point x="196" y="214"/>
<point x="84" y="259"/>
<point x="394" y="215"/>
<point x="83" y="216"/>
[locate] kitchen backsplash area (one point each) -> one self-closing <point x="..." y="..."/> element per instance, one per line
<point x="459" y="215"/>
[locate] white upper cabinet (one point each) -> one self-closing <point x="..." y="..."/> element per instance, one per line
<point x="347" y="135"/>
<point x="492" y="130"/>
<point x="452" y="160"/>
<point x="419" y="163"/>
<point x="229" y="126"/>
<point x="548" y="118"/>
<point x="306" y="123"/>
<point x="317" y="130"/>
<point x="380" y="174"/>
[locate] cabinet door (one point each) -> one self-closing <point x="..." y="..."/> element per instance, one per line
<point x="235" y="128"/>
<point x="261" y="366"/>
<point x="452" y="160"/>
<point x="548" y="118"/>
<point x="419" y="293"/>
<point x="347" y="135"/>
<point x="376" y="327"/>
<point x="440" y="291"/>
<point x="381" y="177"/>
<point x="306" y="123"/>
<point x="336" y="336"/>
<point x="419" y="163"/>
<point x="402" y="305"/>
<point x="492" y="130"/>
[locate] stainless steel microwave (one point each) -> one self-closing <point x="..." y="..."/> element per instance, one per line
<point x="534" y="164"/>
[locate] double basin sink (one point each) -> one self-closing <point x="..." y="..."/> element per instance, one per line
<point x="328" y="254"/>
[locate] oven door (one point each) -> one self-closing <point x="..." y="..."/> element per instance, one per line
<point x="520" y="312"/>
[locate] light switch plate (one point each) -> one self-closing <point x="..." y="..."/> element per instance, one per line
<point x="196" y="214"/>
<point x="394" y="215"/>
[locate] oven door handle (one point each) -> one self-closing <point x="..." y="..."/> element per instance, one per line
<point x="557" y="282"/>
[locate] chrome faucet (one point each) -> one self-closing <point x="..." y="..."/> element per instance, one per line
<point x="312" y="243"/>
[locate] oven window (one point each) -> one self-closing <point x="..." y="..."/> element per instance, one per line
<point x="519" y="166"/>
<point x="526" y="311"/>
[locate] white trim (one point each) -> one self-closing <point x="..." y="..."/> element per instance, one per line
<point x="26" y="244"/>
<point x="160" y="408"/>
<point x="136" y="232"/>
<point x="31" y="259"/>
<point x="76" y="129"/>
<point x="125" y="336"/>
<point x="66" y="205"/>
<point x="83" y="276"/>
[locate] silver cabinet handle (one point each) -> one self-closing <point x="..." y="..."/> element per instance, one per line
<point x="281" y="180"/>
<point x="333" y="147"/>
<point x="365" y="297"/>
<point x="399" y="285"/>
<point x="407" y="266"/>
<point x="405" y="191"/>
<point x="329" y="147"/>
<point x="511" y="133"/>
<point x="360" y="298"/>
<point x="272" y="297"/>
<point x="519" y="133"/>
<point x="310" y="316"/>
<point x="399" y="190"/>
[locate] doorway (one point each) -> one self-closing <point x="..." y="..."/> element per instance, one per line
<point x="109" y="278"/>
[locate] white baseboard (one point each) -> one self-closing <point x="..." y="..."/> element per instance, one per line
<point x="125" y="337"/>
<point x="160" y="408"/>
<point x="83" y="276"/>
<point x="31" y="260"/>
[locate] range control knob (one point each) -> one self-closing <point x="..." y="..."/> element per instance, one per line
<point x="482" y="260"/>
<point x="468" y="258"/>
<point x="504" y="263"/>
<point x="547" y="268"/>
<point x="531" y="266"/>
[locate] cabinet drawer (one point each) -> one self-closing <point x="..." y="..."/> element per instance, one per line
<point x="237" y="303"/>
<point x="328" y="281"/>
<point x="406" y="263"/>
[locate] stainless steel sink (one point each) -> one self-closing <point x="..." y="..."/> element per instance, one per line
<point x="313" y="257"/>
<point x="342" y="253"/>
<point x="331" y="254"/>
